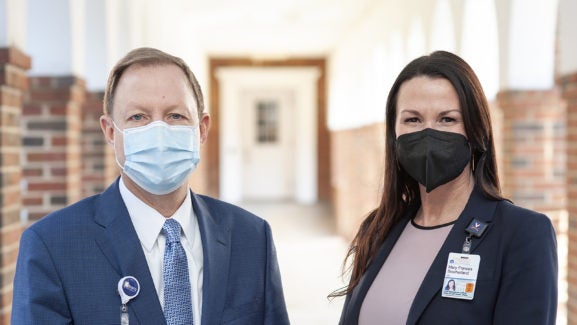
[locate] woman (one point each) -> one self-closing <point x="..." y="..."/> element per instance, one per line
<point x="450" y="285"/>
<point x="442" y="215"/>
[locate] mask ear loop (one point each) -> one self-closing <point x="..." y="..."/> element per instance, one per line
<point x="115" y="155"/>
<point x="116" y="127"/>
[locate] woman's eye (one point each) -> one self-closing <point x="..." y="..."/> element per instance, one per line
<point x="411" y="120"/>
<point x="447" y="119"/>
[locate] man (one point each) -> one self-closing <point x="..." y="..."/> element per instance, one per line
<point x="148" y="250"/>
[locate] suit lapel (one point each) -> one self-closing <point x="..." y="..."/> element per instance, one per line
<point x="477" y="207"/>
<point x="215" y="235"/>
<point x="120" y="244"/>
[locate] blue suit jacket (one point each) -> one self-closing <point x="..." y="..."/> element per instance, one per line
<point x="71" y="260"/>
<point x="517" y="279"/>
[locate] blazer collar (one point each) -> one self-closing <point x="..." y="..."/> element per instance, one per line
<point x="215" y="231"/>
<point x="119" y="242"/>
<point x="477" y="207"/>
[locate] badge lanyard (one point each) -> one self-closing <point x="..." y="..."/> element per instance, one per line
<point x="128" y="288"/>
<point x="463" y="268"/>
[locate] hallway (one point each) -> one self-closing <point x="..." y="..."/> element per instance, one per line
<point x="310" y="257"/>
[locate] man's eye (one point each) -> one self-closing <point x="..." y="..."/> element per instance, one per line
<point x="136" y="117"/>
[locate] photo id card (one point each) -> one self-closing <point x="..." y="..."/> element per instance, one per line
<point x="461" y="276"/>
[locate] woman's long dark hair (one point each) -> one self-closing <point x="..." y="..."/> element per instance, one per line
<point x="400" y="191"/>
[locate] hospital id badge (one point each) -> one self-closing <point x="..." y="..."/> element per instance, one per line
<point x="461" y="276"/>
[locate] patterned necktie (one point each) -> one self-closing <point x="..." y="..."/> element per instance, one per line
<point x="177" y="301"/>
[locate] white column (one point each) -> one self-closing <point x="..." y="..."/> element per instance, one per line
<point x="118" y="33"/>
<point x="443" y="28"/>
<point x="54" y="37"/>
<point x="531" y="55"/>
<point x="13" y="23"/>
<point x="480" y="43"/>
<point x="230" y="138"/>
<point x="306" y="139"/>
<point x="97" y="66"/>
<point x="567" y="35"/>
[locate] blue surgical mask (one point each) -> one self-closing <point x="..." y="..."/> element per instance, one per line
<point x="160" y="157"/>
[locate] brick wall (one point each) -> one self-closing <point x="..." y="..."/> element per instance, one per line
<point x="111" y="169"/>
<point x="357" y="173"/>
<point x="569" y="92"/>
<point x="497" y="123"/>
<point x="533" y="154"/>
<point x="96" y="153"/>
<point x="51" y="156"/>
<point x="13" y="82"/>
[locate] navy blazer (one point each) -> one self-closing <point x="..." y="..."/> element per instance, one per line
<point x="517" y="279"/>
<point x="70" y="262"/>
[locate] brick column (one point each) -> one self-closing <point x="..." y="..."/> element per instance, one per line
<point x="51" y="154"/>
<point x="13" y="82"/>
<point x="569" y="92"/>
<point x="98" y="165"/>
<point x="534" y="149"/>
<point x="534" y="160"/>
<point x="357" y="174"/>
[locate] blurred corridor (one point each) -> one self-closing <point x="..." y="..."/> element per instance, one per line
<point x="310" y="258"/>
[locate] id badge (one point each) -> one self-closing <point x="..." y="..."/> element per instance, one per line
<point x="461" y="276"/>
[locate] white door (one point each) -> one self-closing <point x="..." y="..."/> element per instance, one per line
<point x="267" y="156"/>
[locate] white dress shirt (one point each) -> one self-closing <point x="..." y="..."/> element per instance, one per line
<point x="148" y="224"/>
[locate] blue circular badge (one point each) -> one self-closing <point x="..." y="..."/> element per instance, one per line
<point x="128" y="288"/>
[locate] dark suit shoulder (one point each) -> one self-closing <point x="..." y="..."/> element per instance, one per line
<point x="514" y="215"/>
<point x="81" y="212"/>
<point x="519" y="227"/>
<point x="229" y="213"/>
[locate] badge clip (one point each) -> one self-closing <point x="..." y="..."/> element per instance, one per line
<point x="128" y="289"/>
<point x="476" y="228"/>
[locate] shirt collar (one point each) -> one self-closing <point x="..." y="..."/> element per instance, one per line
<point x="148" y="222"/>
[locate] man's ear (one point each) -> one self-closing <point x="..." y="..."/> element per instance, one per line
<point x="107" y="128"/>
<point x="204" y="125"/>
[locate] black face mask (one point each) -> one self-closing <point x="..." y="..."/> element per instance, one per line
<point x="433" y="157"/>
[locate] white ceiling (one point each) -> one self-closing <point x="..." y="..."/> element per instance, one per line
<point x="269" y="27"/>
